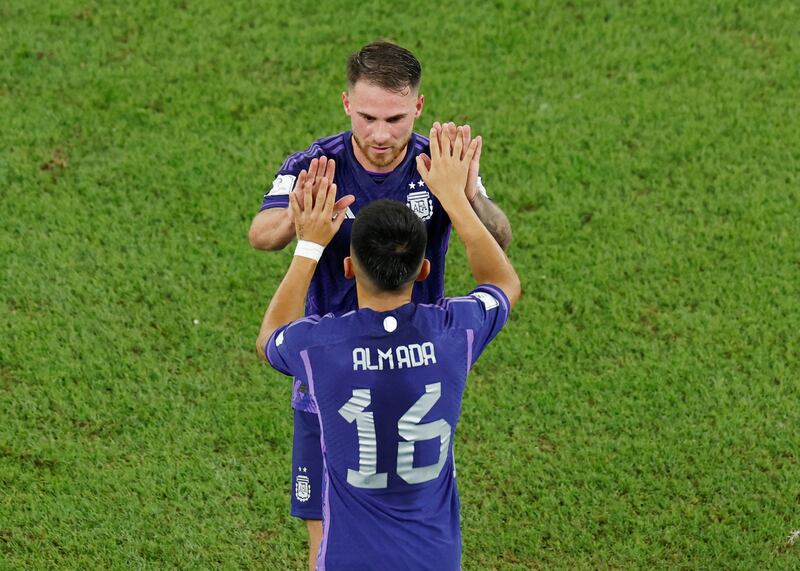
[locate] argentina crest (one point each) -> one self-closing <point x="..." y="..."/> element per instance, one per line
<point x="302" y="486"/>
<point x="420" y="203"/>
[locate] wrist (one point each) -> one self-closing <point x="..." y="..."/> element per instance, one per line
<point x="308" y="249"/>
<point x="461" y="213"/>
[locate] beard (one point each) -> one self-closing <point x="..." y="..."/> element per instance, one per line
<point x="383" y="159"/>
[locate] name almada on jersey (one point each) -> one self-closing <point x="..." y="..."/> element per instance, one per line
<point x="399" y="357"/>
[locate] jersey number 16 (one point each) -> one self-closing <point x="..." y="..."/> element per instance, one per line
<point x="409" y="429"/>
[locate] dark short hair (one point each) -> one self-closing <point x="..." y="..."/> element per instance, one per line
<point x="388" y="241"/>
<point x="385" y="64"/>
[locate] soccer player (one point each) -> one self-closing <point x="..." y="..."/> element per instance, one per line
<point x="375" y="159"/>
<point x="387" y="379"/>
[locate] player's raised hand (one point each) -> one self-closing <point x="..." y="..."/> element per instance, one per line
<point x="307" y="178"/>
<point x="451" y="131"/>
<point x="447" y="174"/>
<point x="319" y="167"/>
<point x="471" y="189"/>
<point x="315" y="220"/>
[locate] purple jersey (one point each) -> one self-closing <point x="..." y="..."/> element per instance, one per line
<point x="330" y="291"/>
<point x="388" y="390"/>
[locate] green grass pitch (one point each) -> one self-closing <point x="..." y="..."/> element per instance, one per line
<point x="640" y="411"/>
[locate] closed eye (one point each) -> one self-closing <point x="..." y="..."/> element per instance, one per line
<point x="392" y="119"/>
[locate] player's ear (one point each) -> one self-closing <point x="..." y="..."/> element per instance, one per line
<point x="346" y="103"/>
<point x="424" y="271"/>
<point x="420" y="103"/>
<point x="348" y="268"/>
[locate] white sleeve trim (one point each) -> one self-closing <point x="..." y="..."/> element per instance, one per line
<point x="481" y="188"/>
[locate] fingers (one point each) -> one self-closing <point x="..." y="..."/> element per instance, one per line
<point x="330" y="169"/>
<point x="424" y="170"/>
<point x="308" y="198"/>
<point x="434" y="144"/>
<point x="339" y="210"/>
<point x="447" y="147"/>
<point x="329" y="200"/>
<point x="294" y="203"/>
<point x="324" y="203"/>
<point x="307" y="193"/>
<point x="452" y="133"/>
<point x="312" y="169"/>
<point x="458" y="146"/>
<point x="321" y="166"/>
<point x="472" y="149"/>
<point x="451" y="140"/>
<point x="477" y="156"/>
<point x="467" y="134"/>
<point x="336" y="223"/>
<point x="313" y="202"/>
<point x="300" y="183"/>
<point x="439" y="128"/>
<point x="426" y="159"/>
<point x="301" y="180"/>
<point x="343" y="204"/>
<point x="297" y="191"/>
<point x="322" y="195"/>
<point x="318" y="168"/>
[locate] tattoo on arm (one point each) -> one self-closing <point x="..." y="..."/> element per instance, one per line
<point x="494" y="219"/>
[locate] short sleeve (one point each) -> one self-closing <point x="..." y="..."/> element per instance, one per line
<point x="277" y="196"/>
<point x="286" y="342"/>
<point x="482" y="314"/>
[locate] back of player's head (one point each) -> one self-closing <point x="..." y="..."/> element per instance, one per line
<point x="388" y="243"/>
<point x="386" y="65"/>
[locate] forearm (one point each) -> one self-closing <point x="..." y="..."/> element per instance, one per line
<point x="271" y="230"/>
<point x="446" y="176"/>
<point x="288" y="303"/>
<point x="494" y="219"/>
<point x="487" y="261"/>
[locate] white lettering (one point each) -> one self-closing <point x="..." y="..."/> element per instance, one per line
<point x="385" y="356"/>
<point x="360" y="359"/>
<point x="428" y="353"/>
<point x="402" y="356"/>
<point x="416" y="355"/>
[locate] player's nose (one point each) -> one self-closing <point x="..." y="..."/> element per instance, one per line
<point x="381" y="135"/>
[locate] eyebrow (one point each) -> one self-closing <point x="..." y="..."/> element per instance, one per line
<point x="392" y="118"/>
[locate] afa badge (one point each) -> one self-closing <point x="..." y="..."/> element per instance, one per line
<point x="302" y="488"/>
<point x="420" y="203"/>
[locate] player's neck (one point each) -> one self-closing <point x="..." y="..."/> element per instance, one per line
<point x="381" y="301"/>
<point x="368" y="165"/>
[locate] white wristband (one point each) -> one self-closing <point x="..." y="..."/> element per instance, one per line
<point x="309" y="250"/>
